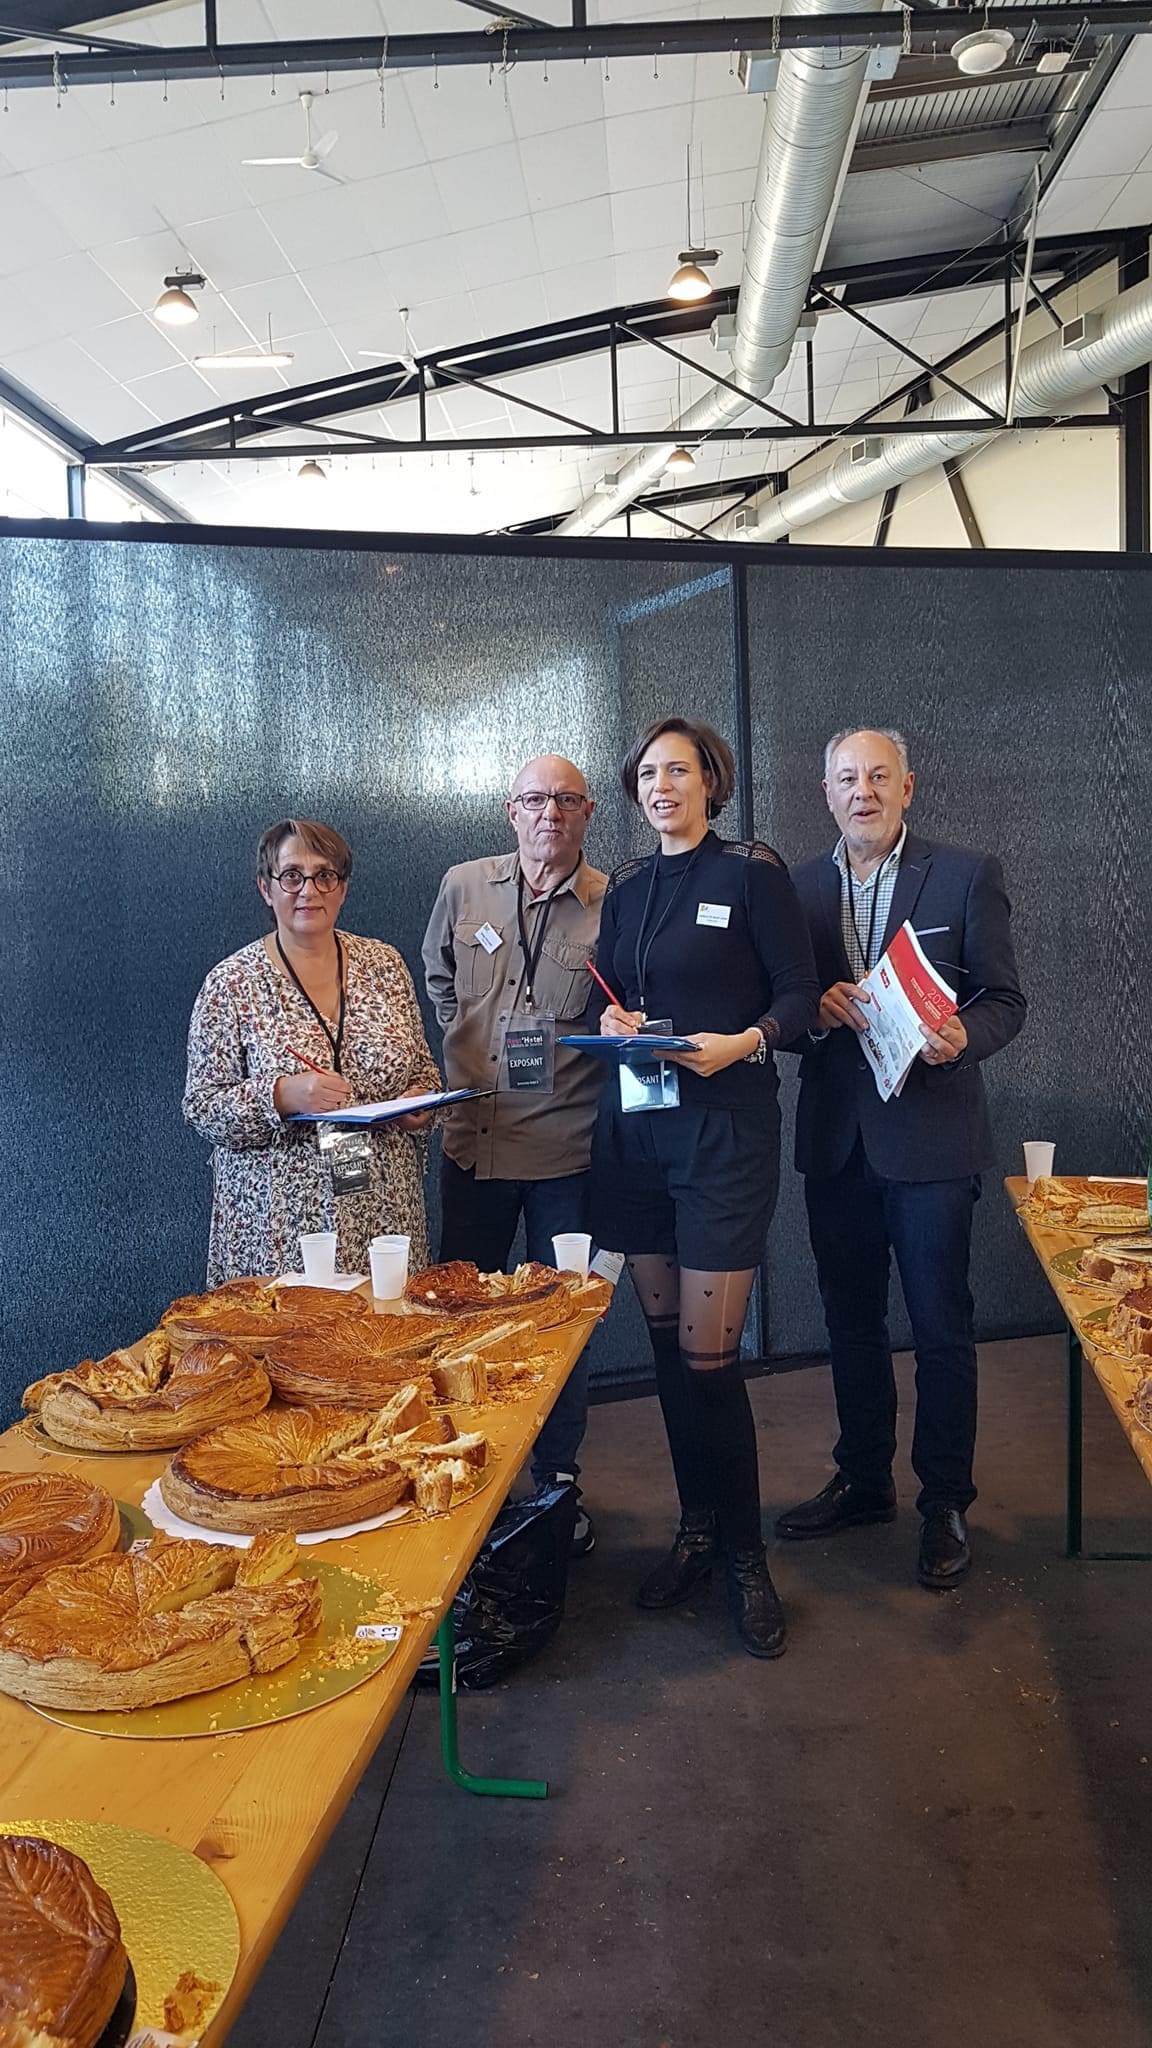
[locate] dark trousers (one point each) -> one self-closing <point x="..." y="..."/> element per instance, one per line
<point x="479" y="1220"/>
<point x="856" y="1219"/>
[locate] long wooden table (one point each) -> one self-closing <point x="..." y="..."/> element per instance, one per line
<point x="1118" y="1376"/>
<point x="259" y="1805"/>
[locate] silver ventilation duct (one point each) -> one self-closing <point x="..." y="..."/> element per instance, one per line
<point x="809" y="128"/>
<point x="1070" y="364"/>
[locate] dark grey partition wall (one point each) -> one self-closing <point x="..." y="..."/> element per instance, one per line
<point x="161" y="704"/>
<point x="1024" y="692"/>
<point x="163" y="699"/>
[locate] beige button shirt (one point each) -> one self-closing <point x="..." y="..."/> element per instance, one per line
<point x="518" y="1134"/>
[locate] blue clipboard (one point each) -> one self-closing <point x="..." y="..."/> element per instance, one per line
<point x="642" y="1047"/>
<point x="367" y="1113"/>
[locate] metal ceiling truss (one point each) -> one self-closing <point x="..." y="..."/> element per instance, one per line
<point x="240" y="432"/>
<point x="918" y="27"/>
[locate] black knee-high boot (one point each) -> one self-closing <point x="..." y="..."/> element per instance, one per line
<point x="728" y="1439"/>
<point x="689" y="1562"/>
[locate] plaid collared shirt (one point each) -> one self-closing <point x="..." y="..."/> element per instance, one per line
<point x="864" y="906"/>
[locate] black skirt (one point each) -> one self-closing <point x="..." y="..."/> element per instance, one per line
<point x="698" y="1185"/>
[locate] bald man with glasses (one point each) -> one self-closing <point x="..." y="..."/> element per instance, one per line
<point x="506" y="952"/>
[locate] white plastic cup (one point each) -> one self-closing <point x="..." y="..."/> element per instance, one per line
<point x="573" y="1249"/>
<point x="388" y="1258"/>
<point x="1038" y="1161"/>
<point x="318" y="1251"/>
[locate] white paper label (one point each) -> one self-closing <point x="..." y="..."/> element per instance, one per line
<point x="609" y="1265"/>
<point x="380" y="1631"/>
<point x="489" y="939"/>
<point x="714" y="913"/>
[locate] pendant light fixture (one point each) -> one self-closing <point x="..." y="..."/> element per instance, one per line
<point x="681" y="459"/>
<point x="690" y="282"/>
<point x="175" y="307"/>
<point x="270" y="358"/>
<point x="984" y="51"/>
<point x="310" y="472"/>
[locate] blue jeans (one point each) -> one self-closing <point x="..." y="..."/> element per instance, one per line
<point x="856" y="1219"/>
<point x="479" y="1220"/>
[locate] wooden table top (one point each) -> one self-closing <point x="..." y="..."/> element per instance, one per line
<point x="259" y="1805"/>
<point x="1119" y="1376"/>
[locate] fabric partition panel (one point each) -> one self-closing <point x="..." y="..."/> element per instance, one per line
<point x="160" y="705"/>
<point x="1024" y="694"/>
<point x="161" y="702"/>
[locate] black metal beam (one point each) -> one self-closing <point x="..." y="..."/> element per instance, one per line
<point x="162" y="457"/>
<point x="720" y="489"/>
<point x="963" y="503"/>
<point x="947" y="146"/>
<point x="925" y="25"/>
<point x="905" y="349"/>
<point x="1135" y="455"/>
<point x="76" y="482"/>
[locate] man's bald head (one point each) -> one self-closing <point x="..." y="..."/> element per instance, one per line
<point x="549" y="809"/>
<point x="549" y="772"/>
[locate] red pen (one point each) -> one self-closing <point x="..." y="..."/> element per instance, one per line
<point x="604" y="985"/>
<point x="306" y="1062"/>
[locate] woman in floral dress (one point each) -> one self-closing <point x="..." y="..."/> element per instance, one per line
<point x="348" y="1005"/>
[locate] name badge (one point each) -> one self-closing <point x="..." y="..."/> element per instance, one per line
<point x="489" y="939"/>
<point x="717" y="914"/>
<point x="348" y="1157"/>
<point x="530" y="1052"/>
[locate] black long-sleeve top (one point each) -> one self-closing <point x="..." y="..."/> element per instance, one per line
<point x="724" y="945"/>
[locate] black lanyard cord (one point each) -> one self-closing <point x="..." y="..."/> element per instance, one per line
<point x="336" y="1042"/>
<point x="643" y="952"/>
<point x="532" y="948"/>
<point x="865" y="946"/>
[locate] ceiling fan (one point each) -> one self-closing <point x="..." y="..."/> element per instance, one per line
<point x="313" y="154"/>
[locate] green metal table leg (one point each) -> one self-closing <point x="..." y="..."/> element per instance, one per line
<point x="500" y="1788"/>
<point x="1074" y="1537"/>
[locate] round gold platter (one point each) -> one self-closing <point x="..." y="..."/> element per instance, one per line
<point x="332" y="1662"/>
<point x="175" y="1915"/>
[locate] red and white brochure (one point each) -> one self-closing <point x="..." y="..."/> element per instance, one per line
<point x="906" y="993"/>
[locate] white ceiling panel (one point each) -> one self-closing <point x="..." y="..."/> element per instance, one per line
<point x="493" y="255"/>
<point x="505" y="308"/>
<point x="648" y="149"/>
<point x="482" y="187"/>
<point x="81" y="390"/>
<point x="357" y="290"/>
<point x="235" y="249"/>
<point x="398" y="209"/>
<point x="567" y="166"/>
<point x="457" y="113"/>
<point x="571" y="95"/>
<point x="326" y="224"/>
<point x="130" y="348"/>
<point x="30" y="233"/>
<point x="105" y="202"/>
<point x="46" y="302"/>
<point x="574" y="234"/>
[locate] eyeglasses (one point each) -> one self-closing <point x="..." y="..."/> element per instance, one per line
<point x="539" y="799"/>
<point x="292" y="880"/>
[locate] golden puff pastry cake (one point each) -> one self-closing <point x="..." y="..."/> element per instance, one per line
<point x="319" y="1468"/>
<point x="49" y="1519"/>
<point x="290" y="1468"/>
<point x="164" y="1620"/>
<point x="62" y="1962"/>
<point x="149" y="1398"/>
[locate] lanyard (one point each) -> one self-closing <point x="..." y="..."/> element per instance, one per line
<point x="532" y="948"/>
<point x="865" y="946"/>
<point x="643" y="952"/>
<point x="337" y="1041"/>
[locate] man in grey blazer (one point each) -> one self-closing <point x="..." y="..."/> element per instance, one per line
<point x="901" y="1176"/>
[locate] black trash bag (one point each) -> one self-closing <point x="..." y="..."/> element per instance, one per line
<point x="512" y="1601"/>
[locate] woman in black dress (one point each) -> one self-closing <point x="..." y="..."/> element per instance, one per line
<point x="707" y="937"/>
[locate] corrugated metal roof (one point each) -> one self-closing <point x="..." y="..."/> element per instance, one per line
<point x="1001" y="101"/>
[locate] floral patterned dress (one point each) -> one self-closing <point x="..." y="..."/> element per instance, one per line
<point x="270" y="1180"/>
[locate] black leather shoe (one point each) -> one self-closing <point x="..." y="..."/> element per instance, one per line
<point x="687" y="1565"/>
<point x="945" y="1554"/>
<point x="755" y="1605"/>
<point x="839" y="1505"/>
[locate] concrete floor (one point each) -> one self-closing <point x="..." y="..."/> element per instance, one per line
<point x="928" y="1824"/>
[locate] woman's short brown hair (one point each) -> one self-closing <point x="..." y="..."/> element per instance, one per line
<point x="716" y="758"/>
<point x="319" y="839"/>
